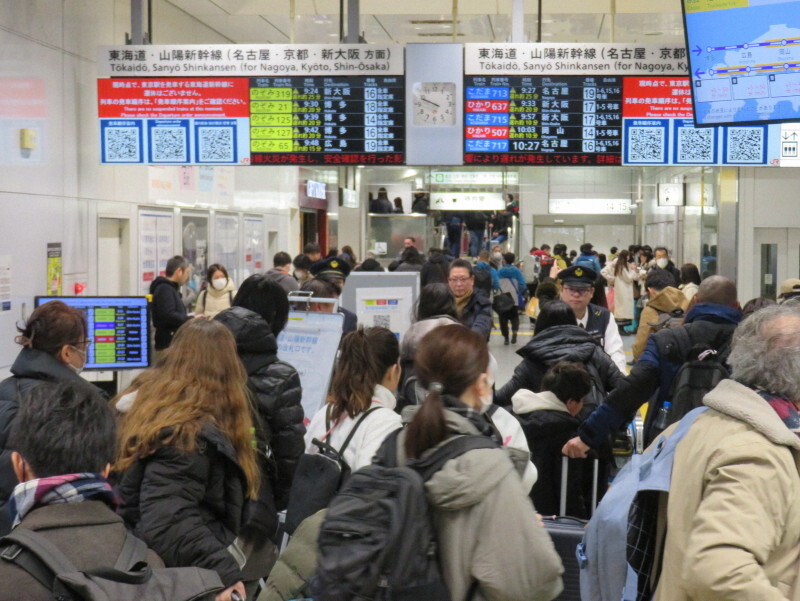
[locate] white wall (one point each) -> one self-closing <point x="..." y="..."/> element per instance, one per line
<point x="58" y="192"/>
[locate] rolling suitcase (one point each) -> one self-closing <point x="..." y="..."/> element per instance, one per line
<point x="567" y="534"/>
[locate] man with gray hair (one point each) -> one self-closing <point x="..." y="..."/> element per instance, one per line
<point x="708" y="324"/>
<point x="734" y="528"/>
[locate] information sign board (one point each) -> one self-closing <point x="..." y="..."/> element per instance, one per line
<point x="327" y="120"/>
<point x="544" y="120"/>
<point x="745" y="60"/>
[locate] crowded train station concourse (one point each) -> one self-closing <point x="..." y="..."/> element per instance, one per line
<point x="443" y="300"/>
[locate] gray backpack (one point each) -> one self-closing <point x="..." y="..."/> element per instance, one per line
<point x="131" y="579"/>
<point x="378" y="542"/>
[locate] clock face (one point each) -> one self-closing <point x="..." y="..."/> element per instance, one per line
<point x="434" y="103"/>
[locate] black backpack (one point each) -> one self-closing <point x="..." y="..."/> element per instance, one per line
<point x="378" y="540"/>
<point x="319" y="477"/>
<point x="703" y="368"/>
<point x="131" y="578"/>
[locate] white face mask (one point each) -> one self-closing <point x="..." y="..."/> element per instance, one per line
<point x="78" y="370"/>
<point x="662" y="262"/>
<point x="219" y="283"/>
<point x="486" y="401"/>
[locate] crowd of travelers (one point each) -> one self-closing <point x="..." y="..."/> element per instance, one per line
<point x="198" y="461"/>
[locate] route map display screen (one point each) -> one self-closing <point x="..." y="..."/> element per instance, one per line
<point x="744" y="58"/>
<point x="543" y="120"/>
<point x="327" y="120"/>
<point x="118" y="330"/>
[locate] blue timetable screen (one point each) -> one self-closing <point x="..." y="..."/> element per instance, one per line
<point x="118" y="330"/>
<point x="744" y="58"/>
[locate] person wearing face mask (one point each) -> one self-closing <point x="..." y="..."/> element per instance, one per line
<point x="55" y="345"/>
<point x="662" y="261"/>
<point x="490" y="545"/>
<point x="218" y="293"/>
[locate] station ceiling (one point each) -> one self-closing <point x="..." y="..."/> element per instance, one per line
<point x="413" y="21"/>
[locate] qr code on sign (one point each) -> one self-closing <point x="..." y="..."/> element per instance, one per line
<point x="381" y="321"/>
<point x="169" y="144"/>
<point x="745" y="145"/>
<point x="646" y="144"/>
<point x="122" y="144"/>
<point x="695" y="145"/>
<point x="215" y="145"/>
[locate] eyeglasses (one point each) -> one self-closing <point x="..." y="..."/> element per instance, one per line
<point x="577" y="291"/>
<point x="458" y="280"/>
<point x="85" y="343"/>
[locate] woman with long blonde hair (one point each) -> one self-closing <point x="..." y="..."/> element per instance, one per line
<point x="186" y="454"/>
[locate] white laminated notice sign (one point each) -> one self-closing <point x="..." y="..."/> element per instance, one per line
<point x="5" y="283"/>
<point x="389" y="308"/>
<point x="249" y="60"/>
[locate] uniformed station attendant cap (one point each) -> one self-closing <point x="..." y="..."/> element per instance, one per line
<point x="333" y="267"/>
<point x="578" y="276"/>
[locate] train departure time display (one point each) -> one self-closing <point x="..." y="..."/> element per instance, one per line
<point x="327" y="120"/>
<point x="118" y="330"/>
<point x="543" y="120"/>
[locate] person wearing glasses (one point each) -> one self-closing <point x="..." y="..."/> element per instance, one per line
<point x="55" y="345"/>
<point x="473" y="305"/>
<point x="577" y="288"/>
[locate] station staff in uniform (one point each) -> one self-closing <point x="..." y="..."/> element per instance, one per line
<point x="577" y="288"/>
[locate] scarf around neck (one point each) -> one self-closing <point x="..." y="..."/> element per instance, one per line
<point x="54" y="490"/>
<point x="462" y="301"/>
<point x="785" y="410"/>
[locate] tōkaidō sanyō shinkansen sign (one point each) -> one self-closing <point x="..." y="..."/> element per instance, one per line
<point x="252" y="104"/>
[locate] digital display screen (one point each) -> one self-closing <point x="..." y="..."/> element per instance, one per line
<point x="543" y="120"/>
<point x="327" y="120"/>
<point x="744" y="58"/>
<point x="118" y="330"/>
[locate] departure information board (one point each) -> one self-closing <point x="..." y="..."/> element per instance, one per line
<point x="543" y="120"/>
<point x="117" y="330"/>
<point x="327" y="120"/>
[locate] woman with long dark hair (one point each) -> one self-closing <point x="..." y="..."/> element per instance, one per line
<point x="218" y="293"/>
<point x="186" y="455"/>
<point x="361" y="397"/>
<point x="490" y="544"/>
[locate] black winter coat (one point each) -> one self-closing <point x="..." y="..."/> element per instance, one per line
<point x="547" y="432"/>
<point x="562" y="343"/>
<point x="169" y="312"/>
<point x="188" y="507"/>
<point x="276" y="392"/>
<point x="30" y="369"/>
<point x="477" y="315"/>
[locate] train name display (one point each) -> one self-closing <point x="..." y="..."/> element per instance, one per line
<point x="331" y="120"/>
<point x="244" y="105"/>
<point x="543" y="120"/>
<point x="553" y="104"/>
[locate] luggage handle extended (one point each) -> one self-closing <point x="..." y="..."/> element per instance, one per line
<point x="562" y="501"/>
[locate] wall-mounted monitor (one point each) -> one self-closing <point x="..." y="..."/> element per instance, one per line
<point x="744" y="59"/>
<point x="118" y="330"/>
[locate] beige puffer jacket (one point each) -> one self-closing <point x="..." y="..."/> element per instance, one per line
<point x="211" y="301"/>
<point x="734" y="525"/>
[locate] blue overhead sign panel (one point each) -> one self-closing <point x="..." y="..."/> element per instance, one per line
<point x="744" y="57"/>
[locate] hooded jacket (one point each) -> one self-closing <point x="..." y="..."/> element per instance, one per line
<point x="665" y="301"/>
<point x="561" y="343"/>
<point x="169" y="312"/>
<point x="189" y="507"/>
<point x="710" y="324"/>
<point x="548" y="426"/>
<point x="31" y="368"/>
<point x="732" y="514"/>
<point x="486" y="527"/>
<point x="275" y="389"/>
<point x="211" y="301"/>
